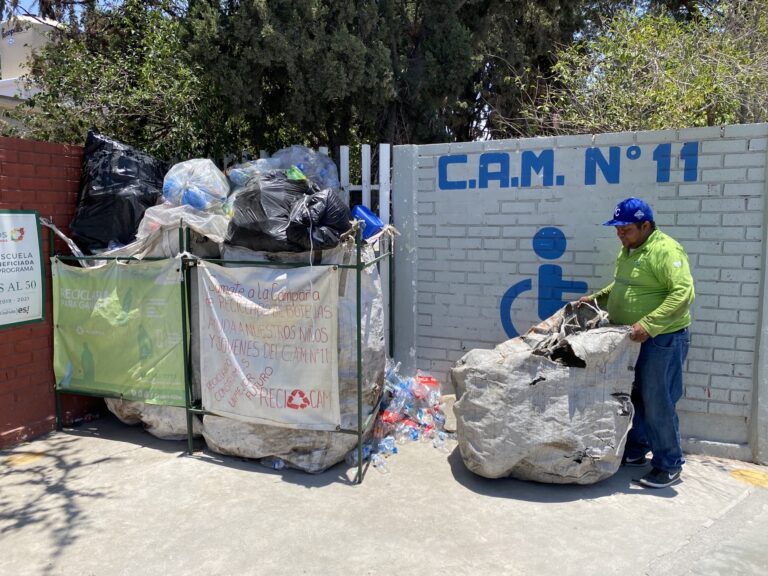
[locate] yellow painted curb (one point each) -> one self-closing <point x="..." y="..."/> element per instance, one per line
<point x="753" y="477"/>
<point x="24" y="458"/>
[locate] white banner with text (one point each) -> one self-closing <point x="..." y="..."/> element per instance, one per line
<point x="269" y="345"/>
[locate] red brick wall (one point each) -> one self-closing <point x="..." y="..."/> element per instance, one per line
<point x="45" y="177"/>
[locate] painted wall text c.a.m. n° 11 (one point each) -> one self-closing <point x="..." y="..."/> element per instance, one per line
<point x="504" y="170"/>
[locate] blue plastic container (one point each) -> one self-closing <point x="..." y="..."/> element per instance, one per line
<point x="373" y="224"/>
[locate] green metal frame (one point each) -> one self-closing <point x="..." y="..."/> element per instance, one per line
<point x="187" y="263"/>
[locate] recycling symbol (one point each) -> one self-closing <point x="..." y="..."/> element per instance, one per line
<point x="297" y="400"/>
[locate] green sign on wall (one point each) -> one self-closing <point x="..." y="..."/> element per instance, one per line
<point x="118" y="330"/>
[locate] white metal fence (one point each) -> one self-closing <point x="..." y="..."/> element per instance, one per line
<point x="366" y="187"/>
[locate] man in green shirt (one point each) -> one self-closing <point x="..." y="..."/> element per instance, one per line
<point x="652" y="291"/>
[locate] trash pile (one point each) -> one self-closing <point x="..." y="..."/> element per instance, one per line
<point x="284" y="211"/>
<point x="412" y="410"/>
<point x="288" y="208"/>
<point x="287" y="203"/>
<point x="316" y="167"/>
<point x="315" y="450"/>
<point x="552" y="405"/>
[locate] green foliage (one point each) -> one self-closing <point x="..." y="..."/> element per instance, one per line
<point x="525" y="39"/>
<point x="393" y="70"/>
<point x="212" y="75"/>
<point x="296" y="71"/>
<point x="206" y="77"/>
<point x="125" y="72"/>
<point x="654" y="71"/>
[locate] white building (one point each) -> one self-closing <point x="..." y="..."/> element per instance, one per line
<point x="19" y="38"/>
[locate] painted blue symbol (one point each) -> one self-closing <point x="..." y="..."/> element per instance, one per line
<point x="633" y="152"/>
<point x="559" y="180"/>
<point x="549" y="244"/>
<point x="514" y="182"/>
<point x="472" y="183"/>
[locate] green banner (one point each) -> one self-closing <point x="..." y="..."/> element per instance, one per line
<point x="118" y="332"/>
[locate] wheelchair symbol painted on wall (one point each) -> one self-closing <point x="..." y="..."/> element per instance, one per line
<point x="548" y="243"/>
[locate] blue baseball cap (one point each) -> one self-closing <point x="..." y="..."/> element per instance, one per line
<point x="630" y="211"/>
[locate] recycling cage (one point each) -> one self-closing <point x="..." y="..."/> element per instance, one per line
<point x="186" y="300"/>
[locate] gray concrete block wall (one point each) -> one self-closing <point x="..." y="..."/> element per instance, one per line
<point x="466" y="245"/>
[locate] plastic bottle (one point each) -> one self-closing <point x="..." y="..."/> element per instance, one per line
<point x="439" y="441"/>
<point x="424" y="417"/>
<point x="273" y="462"/>
<point x="397" y="405"/>
<point x="391" y="376"/>
<point x="401" y="433"/>
<point x="378" y="462"/>
<point x="387" y="445"/>
<point x="351" y="457"/>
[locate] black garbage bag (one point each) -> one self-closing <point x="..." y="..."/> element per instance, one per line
<point x="276" y="213"/>
<point x="318" y="220"/>
<point x="117" y="185"/>
<point x="261" y="211"/>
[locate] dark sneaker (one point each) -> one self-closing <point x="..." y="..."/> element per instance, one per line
<point x="635" y="462"/>
<point x="659" y="478"/>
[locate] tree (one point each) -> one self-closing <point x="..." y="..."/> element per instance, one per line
<point x="123" y="70"/>
<point x="654" y="71"/>
<point x="270" y="73"/>
<point x="394" y="70"/>
<point x="207" y="76"/>
<point x="297" y="71"/>
<point x="525" y="39"/>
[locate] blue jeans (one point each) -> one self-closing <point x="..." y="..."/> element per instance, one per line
<point x="657" y="388"/>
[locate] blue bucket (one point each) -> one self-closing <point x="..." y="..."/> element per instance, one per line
<point x="373" y="224"/>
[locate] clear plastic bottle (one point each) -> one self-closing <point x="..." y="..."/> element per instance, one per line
<point x="401" y="433"/>
<point x="397" y="404"/>
<point x="387" y="445"/>
<point x="379" y="463"/>
<point x="392" y="375"/>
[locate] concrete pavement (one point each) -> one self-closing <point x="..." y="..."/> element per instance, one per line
<point x="107" y="499"/>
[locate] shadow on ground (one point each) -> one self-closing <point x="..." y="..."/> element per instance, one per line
<point x="109" y="427"/>
<point x="509" y="488"/>
<point x="38" y="491"/>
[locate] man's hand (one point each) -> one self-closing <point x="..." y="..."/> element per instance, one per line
<point x="638" y="333"/>
<point x="585" y="299"/>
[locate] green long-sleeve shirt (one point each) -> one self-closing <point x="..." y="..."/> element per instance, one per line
<point x="652" y="286"/>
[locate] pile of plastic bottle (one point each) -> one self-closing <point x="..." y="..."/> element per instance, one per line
<point x="410" y="412"/>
